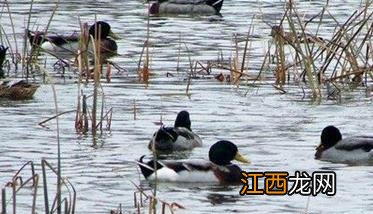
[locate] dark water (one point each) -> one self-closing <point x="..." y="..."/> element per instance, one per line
<point x="277" y="132"/>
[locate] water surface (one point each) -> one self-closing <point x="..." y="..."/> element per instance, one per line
<point x="277" y="132"/>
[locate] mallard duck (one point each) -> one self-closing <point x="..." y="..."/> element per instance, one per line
<point x="14" y="89"/>
<point x="192" y="7"/>
<point x="219" y="169"/>
<point x="177" y="138"/>
<point x="60" y="43"/>
<point x="2" y="59"/>
<point x="17" y="89"/>
<point x="349" y="150"/>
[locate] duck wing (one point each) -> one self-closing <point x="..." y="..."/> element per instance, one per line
<point x="185" y="1"/>
<point x="39" y="37"/>
<point x="60" y="40"/>
<point x="212" y="3"/>
<point x="201" y="170"/>
<point x="13" y="83"/>
<point x="180" y="170"/>
<point x="184" y="132"/>
<point x="163" y="139"/>
<point x="362" y="142"/>
<point x="197" y="170"/>
<point x="189" y="165"/>
<point x="170" y="138"/>
<point x="186" y="139"/>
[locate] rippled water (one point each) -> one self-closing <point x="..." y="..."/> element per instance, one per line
<point x="277" y="132"/>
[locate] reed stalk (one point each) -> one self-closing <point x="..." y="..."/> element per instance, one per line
<point x="15" y="51"/>
<point x="190" y="73"/>
<point x="144" y="71"/>
<point x="3" y="201"/>
<point x="97" y="71"/>
<point x="249" y="33"/>
<point x="25" y="64"/>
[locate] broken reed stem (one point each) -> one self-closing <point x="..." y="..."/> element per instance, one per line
<point x="69" y="188"/>
<point x="178" y="54"/>
<point x="18" y="183"/>
<point x="108" y="116"/>
<point x="146" y="63"/>
<point x="102" y="110"/>
<point x="140" y="60"/>
<point x="152" y="201"/>
<point x="233" y="66"/>
<point x="53" y="117"/>
<point x="190" y="71"/>
<point x="143" y="73"/>
<point x="280" y="72"/>
<point x="249" y="33"/>
<point x="85" y="113"/>
<point x="78" y="115"/>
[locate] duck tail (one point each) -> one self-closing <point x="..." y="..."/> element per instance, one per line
<point x="216" y="4"/>
<point x="147" y="169"/>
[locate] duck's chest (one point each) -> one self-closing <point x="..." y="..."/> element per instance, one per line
<point x="193" y="176"/>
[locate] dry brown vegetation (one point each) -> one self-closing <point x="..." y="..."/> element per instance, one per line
<point x="298" y="55"/>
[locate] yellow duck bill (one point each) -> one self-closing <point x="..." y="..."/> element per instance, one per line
<point x="238" y="157"/>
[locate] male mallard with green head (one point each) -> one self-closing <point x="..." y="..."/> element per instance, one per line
<point x="218" y="169"/>
<point x="60" y="43"/>
<point x="177" y="138"/>
<point x="355" y="150"/>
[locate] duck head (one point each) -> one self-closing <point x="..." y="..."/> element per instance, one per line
<point x="223" y="152"/>
<point x="154" y="7"/>
<point x="107" y="36"/>
<point x="105" y="30"/>
<point x="2" y="59"/>
<point x="2" y="54"/>
<point x="183" y="120"/>
<point x="330" y="136"/>
<point x="36" y="38"/>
